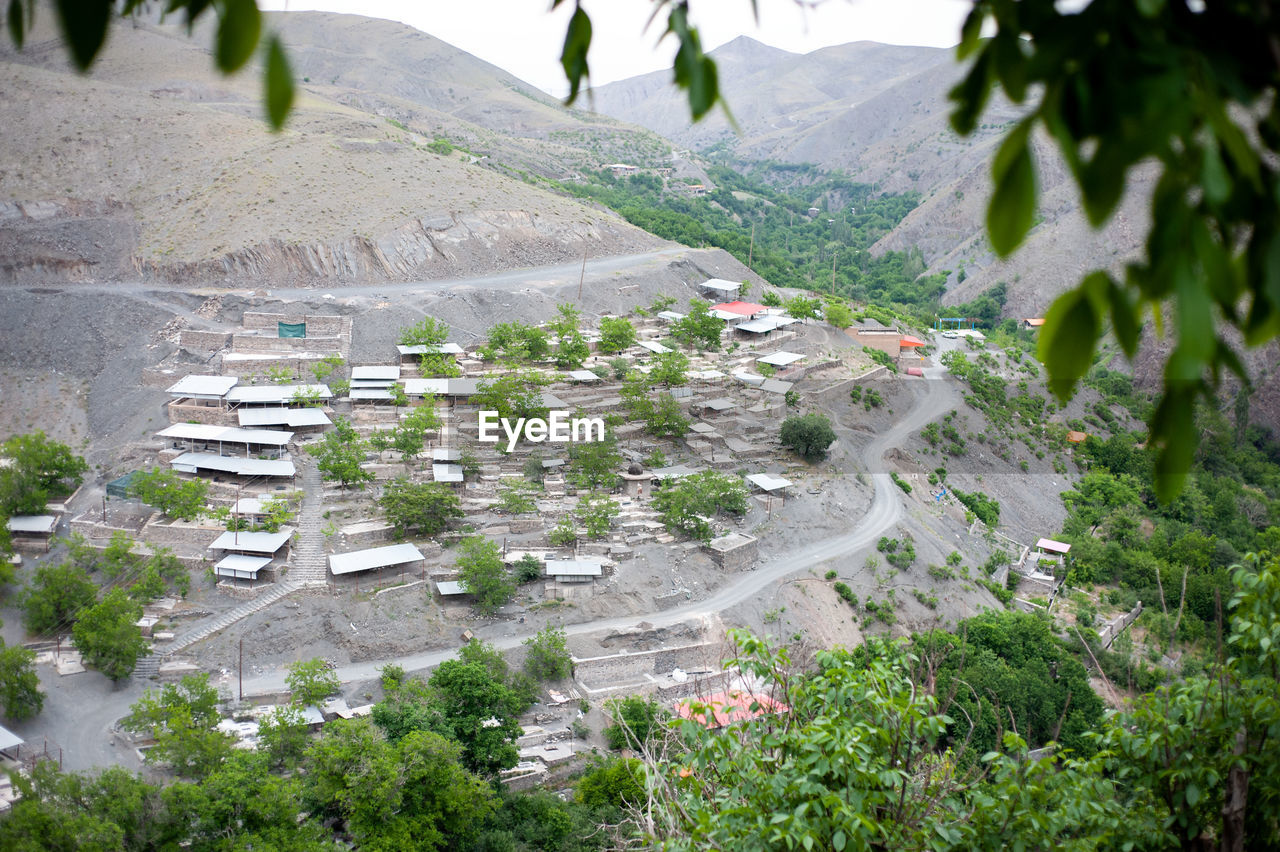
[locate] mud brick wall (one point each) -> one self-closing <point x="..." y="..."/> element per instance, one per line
<point x="171" y="535"/>
<point x="256" y="343"/>
<point x="628" y="670"/>
<point x="318" y="325"/>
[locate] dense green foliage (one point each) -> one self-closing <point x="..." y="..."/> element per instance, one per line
<point x="425" y="508"/>
<point x="172" y="494"/>
<point x="38" y="469"/>
<point x="339" y="454"/>
<point x="808" y="435"/>
<point x="547" y="655"/>
<point x="20" y="695"/>
<point x="107" y="634"/>
<point x="688" y="505"/>
<point x="482" y="574"/>
<point x="790" y="248"/>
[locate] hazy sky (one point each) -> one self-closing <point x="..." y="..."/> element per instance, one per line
<point x="523" y="37"/>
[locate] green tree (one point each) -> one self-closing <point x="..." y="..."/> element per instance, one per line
<point x="517" y="499"/>
<point x="311" y="681"/>
<point x="513" y="395"/>
<point x="595" y="464"/>
<point x="177" y="497"/>
<point x="516" y="342"/>
<point x="802" y="307"/>
<point x="669" y="369"/>
<point x="596" y="511"/>
<point x="434" y="333"/>
<point x="617" y="334"/>
<point x="634" y="721"/>
<point x="340" y="454"/>
<point x="688" y="505"/>
<point x="56" y="597"/>
<point x="666" y="419"/>
<point x="422" y="507"/>
<point x="410" y="434"/>
<point x="20" y="692"/>
<point x="547" y="657"/>
<point x="283" y="736"/>
<point x="809" y="435"/>
<point x="838" y="314"/>
<point x="38" y="469"/>
<point x="479" y="712"/>
<point x="612" y="782"/>
<point x="108" y="637"/>
<point x="482" y="574"/>
<point x="353" y="774"/>
<point x="326" y="366"/>
<point x="182" y="718"/>
<point x="698" y="329"/>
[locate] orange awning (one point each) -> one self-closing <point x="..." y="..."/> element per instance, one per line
<point x="908" y="341"/>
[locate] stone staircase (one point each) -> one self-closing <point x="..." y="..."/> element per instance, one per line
<point x="309" y="568"/>
<point x="147" y="668"/>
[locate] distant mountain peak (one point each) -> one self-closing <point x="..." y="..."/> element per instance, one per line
<point x="746" y="49"/>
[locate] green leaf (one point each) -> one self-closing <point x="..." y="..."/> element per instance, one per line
<point x="239" y="29"/>
<point x="1213" y="174"/>
<point x="1124" y="319"/>
<point x="573" y="58"/>
<point x="971" y="32"/>
<point x="1173" y="427"/>
<point x="1071" y="328"/>
<point x="84" y="27"/>
<point x="1193" y="794"/>
<point x="279" y="84"/>
<point x="838" y="841"/>
<point x="1013" y="203"/>
<point x="1149" y="8"/>
<point x="970" y="95"/>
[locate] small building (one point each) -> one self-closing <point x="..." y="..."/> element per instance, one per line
<point x="413" y="354"/>
<point x="718" y="406"/>
<point x="209" y="391"/>
<point x="653" y="346"/>
<point x="573" y="570"/>
<point x="276" y="395"/>
<point x="1077" y="437"/>
<point x="622" y="169"/>
<point x="909" y="342"/>
<point x="272" y="545"/>
<point x="886" y="340"/>
<point x="672" y="473"/>
<point x="443" y="472"/>
<point x="765" y="324"/>
<point x="745" y="310"/>
<point x="241" y="566"/>
<point x="670" y="316"/>
<point x="200" y="437"/>
<point x="583" y="376"/>
<point x="450" y="589"/>
<point x="376" y="559"/>
<point x="1033" y="324"/>
<point x="735" y="551"/>
<point x="295" y="418"/>
<point x="721" y="287"/>
<point x="1050" y="550"/>
<point x="781" y="358"/>
<point x="768" y="483"/>
<point x="32" y="531"/>
<point x="197" y="463"/>
<point x="10" y="743"/>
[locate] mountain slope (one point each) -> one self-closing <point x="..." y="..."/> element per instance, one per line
<point x="157" y="166"/>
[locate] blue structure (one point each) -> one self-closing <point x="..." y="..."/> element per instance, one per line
<point x="958" y="323"/>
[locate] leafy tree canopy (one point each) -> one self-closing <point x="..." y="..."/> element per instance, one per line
<point x="809" y="435"/>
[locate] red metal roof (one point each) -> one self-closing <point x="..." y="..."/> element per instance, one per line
<point x="728" y="707"/>
<point x="1076" y="437"/>
<point x="746" y="309"/>
<point x="908" y="341"/>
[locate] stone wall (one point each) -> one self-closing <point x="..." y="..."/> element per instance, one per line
<point x="1115" y="627"/>
<point x="262" y="343"/>
<point x="640" y="671"/>
<point x="202" y="340"/>
<point x="186" y="411"/>
<point x="180" y="534"/>
<point x="734" y="552"/>
<point x="318" y="325"/>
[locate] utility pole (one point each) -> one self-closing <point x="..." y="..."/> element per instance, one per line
<point x="751" y="251"/>
<point x="582" y="275"/>
<point x="240" y="668"/>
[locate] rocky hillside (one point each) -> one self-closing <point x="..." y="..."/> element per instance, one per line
<point x="880" y="112"/>
<point x="155" y="166"/>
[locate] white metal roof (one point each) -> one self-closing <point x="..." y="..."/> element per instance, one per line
<point x="583" y="376"/>
<point x="203" y="386"/>
<point x="373" y="558"/>
<point x="426" y="349"/>
<point x="752" y="379"/>
<point x="253" y="542"/>
<point x="379" y="373"/>
<point x="369" y="393"/>
<point x="191" y="462"/>
<point x="776" y="386"/>
<point x="780" y="358"/>
<point x="276" y="393"/>
<point x="653" y="346"/>
<point x="768" y="482"/>
<point x="227" y="434"/>
<point x="720" y="285"/>
<point x="446" y="472"/>
<point x="463" y="387"/>
<point x="759" y="325"/>
<point x="248" y="505"/>
<point x="422" y="387"/>
<point x="727" y="316"/>
<point x="449" y="588"/>
<point x="8" y="739"/>
<point x="576" y="567"/>
<point x="722" y="403"/>
<point x="292" y="417"/>
<point x="672" y="316"/>
<point x="675" y="471"/>
<point x="240" y="566"/>
<point x="41" y="524"/>
<point x="445" y="454"/>
<point x="705" y="374"/>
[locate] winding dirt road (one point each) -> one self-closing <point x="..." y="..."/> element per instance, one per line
<point x="936" y="395"/>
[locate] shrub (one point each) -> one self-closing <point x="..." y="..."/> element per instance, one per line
<point x="809" y="435"/>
